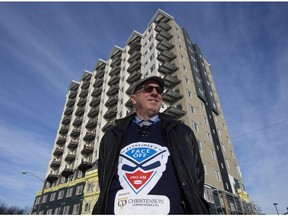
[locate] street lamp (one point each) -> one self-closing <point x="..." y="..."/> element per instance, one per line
<point x="42" y="192"/>
<point x="275" y="204"/>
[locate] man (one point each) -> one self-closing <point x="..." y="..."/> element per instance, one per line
<point x="148" y="162"/>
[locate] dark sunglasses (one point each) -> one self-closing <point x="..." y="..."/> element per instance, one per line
<point x="149" y="89"/>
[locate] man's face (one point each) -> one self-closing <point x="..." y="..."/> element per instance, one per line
<point x="146" y="102"/>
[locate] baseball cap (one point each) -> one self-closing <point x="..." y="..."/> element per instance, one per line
<point x="157" y="79"/>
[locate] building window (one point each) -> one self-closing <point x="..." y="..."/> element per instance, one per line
<point x="208" y="194"/>
<point x="213" y="154"/>
<point x="223" y="147"/>
<point x="57" y="211"/>
<point x="66" y="210"/>
<point x="152" y="68"/>
<point x="87" y="207"/>
<point x="205" y="120"/>
<point x="232" y="154"/>
<point x="218" y="176"/>
<point x="79" y="190"/>
<point x="183" y="67"/>
<point x="69" y="192"/>
<point x="219" y="132"/>
<point x="209" y="136"/>
<point x="200" y="146"/>
<point x="61" y="194"/>
<point x="76" y="209"/>
<point x="186" y="79"/>
<point x="192" y="109"/>
<point x="52" y="197"/>
<point x="45" y="198"/>
<point x="205" y="169"/>
<point x="202" y="105"/>
<point x="227" y="164"/>
<point x="151" y="57"/>
<point x="37" y="200"/>
<point x="188" y="92"/>
<point x="195" y="126"/>
<point x="90" y="186"/>
<point x="49" y="212"/>
<point x="238" y="170"/>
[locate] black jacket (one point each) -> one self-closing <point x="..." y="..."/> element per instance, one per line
<point x="183" y="148"/>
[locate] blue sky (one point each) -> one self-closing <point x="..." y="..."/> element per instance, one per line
<point x="43" y="46"/>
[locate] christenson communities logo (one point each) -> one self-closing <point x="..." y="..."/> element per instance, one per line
<point x="140" y="202"/>
<point x="150" y="204"/>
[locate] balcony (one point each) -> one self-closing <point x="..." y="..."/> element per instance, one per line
<point x="87" y="149"/>
<point x="73" y="144"/>
<point x="85" y="165"/>
<point x="171" y="81"/>
<point x="129" y="104"/>
<point x="100" y="74"/>
<point x="75" y="133"/>
<point x="134" y="66"/>
<point x="136" y="56"/>
<point x="63" y="130"/>
<point x="136" y="40"/>
<point x="98" y="83"/>
<point x="77" y="122"/>
<point x="70" y="103"/>
<point x="110" y="114"/>
<point x="166" y="56"/>
<point x="67" y="172"/>
<point x="72" y="94"/>
<point x="107" y="126"/>
<point x="115" y="71"/>
<point x="66" y="120"/>
<point x="91" y="123"/>
<point x="111" y="102"/>
<point x="89" y="136"/>
<point x="61" y="141"/>
<point x="114" y="80"/>
<point x="85" y="84"/>
<point x="129" y="90"/>
<point x="79" y="112"/>
<point x="95" y="102"/>
<point x="164" y="45"/>
<point x="116" y="62"/>
<point x="93" y="112"/>
<point x="68" y="111"/>
<point x="116" y="54"/>
<point x="167" y="68"/>
<point x="134" y="47"/>
<point x="176" y="113"/>
<point x="70" y="157"/>
<point x="135" y="76"/>
<point x="81" y="102"/>
<point x="112" y="90"/>
<point x="97" y="92"/>
<point x="55" y="164"/>
<point x="163" y="35"/>
<point x="52" y="177"/>
<point x="83" y="93"/>
<point x="58" y="152"/>
<point x="162" y="26"/>
<point x="171" y="96"/>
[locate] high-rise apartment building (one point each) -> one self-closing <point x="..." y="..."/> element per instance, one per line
<point x="102" y="95"/>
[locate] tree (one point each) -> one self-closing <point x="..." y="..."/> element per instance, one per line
<point x="12" y="210"/>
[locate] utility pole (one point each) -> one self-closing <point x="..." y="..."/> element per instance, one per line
<point x="43" y="188"/>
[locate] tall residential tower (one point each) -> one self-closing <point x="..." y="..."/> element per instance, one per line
<point x="102" y="95"/>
